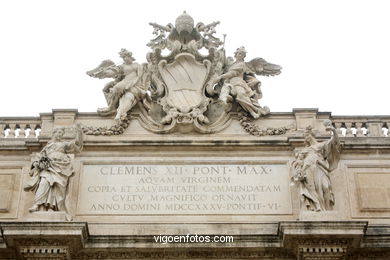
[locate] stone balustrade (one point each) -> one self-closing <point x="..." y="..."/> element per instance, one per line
<point x="23" y="127"/>
<point x="346" y="126"/>
<point x="357" y="126"/>
<point x="101" y="198"/>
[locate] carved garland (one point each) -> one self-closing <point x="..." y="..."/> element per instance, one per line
<point x="116" y="129"/>
<point x="245" y="122"/>
<point x="255" y="130"/>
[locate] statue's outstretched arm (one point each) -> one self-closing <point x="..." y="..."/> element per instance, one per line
<point x="79" y="140"/>
<point x="332" y="146"/>
<point x="76" y="145"/>
<point x="335" y="137"/>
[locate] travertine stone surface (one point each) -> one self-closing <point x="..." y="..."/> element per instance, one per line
<point x="354" y="229"/>
<point x="51" y="169"/>
<point x="176" y="188"/>
<point x="286" y="240"/>
<point x="10" y="180"/>
<point x="7" y="181"/>
<point x="185" y="148"/>
<point x="312" y="167"/>
<point x="185" y="90"/>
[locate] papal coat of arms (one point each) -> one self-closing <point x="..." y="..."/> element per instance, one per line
<point x="184" y="90"/>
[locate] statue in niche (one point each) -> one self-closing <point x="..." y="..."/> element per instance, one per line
<point x="311" y="169"/>
<point x="127" y="88"/>
<point x="240" y="82"/>
<point x="51" y="169"/>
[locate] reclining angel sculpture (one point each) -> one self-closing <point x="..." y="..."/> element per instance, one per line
<point x="127" y="88"/>
<point x="240" y="82"/>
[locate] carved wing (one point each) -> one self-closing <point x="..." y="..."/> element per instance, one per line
<point x="261" y="67"/>
<point x="106" y="69"/>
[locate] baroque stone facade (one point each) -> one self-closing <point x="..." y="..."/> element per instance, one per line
<point x="185" y="148"/>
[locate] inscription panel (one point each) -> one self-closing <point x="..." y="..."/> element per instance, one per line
<point x="196" y="189"/>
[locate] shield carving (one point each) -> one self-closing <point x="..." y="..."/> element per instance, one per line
<point x="185" y="78"/>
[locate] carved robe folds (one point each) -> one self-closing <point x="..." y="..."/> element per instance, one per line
<point x="50" y="172"/>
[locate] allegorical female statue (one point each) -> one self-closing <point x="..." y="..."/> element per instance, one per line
<point x="310" y="170"/>
<point x="51" y="169"/>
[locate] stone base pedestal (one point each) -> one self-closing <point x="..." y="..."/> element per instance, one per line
<point x="320" y="216"/>
<point x="49" y="216"/>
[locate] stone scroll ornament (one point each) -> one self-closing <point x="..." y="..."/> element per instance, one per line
<point x="50" y="172"/>
<point x="187" y="89"/>
<point x="312" y="167"/>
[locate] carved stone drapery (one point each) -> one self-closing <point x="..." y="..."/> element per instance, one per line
<point x="311" y="169"/>
<point x="185" y="90"/>
<point x="51" y="170"/>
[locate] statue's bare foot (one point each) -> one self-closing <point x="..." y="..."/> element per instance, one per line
<point x="34" y="208"/>
<point x="119" y="119"/>
<point x="68" y="217"/>
<point x="106" y="111"/>
<point x="254" y="115"/>
<point x="264" y="111"/>
<point x="123" y="117"/>
<point x="103" y="109"/>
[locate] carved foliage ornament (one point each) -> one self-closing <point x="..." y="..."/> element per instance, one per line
<point x="195" y="87"/>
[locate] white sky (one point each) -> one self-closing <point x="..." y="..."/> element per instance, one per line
<point x="335" y="54"/>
